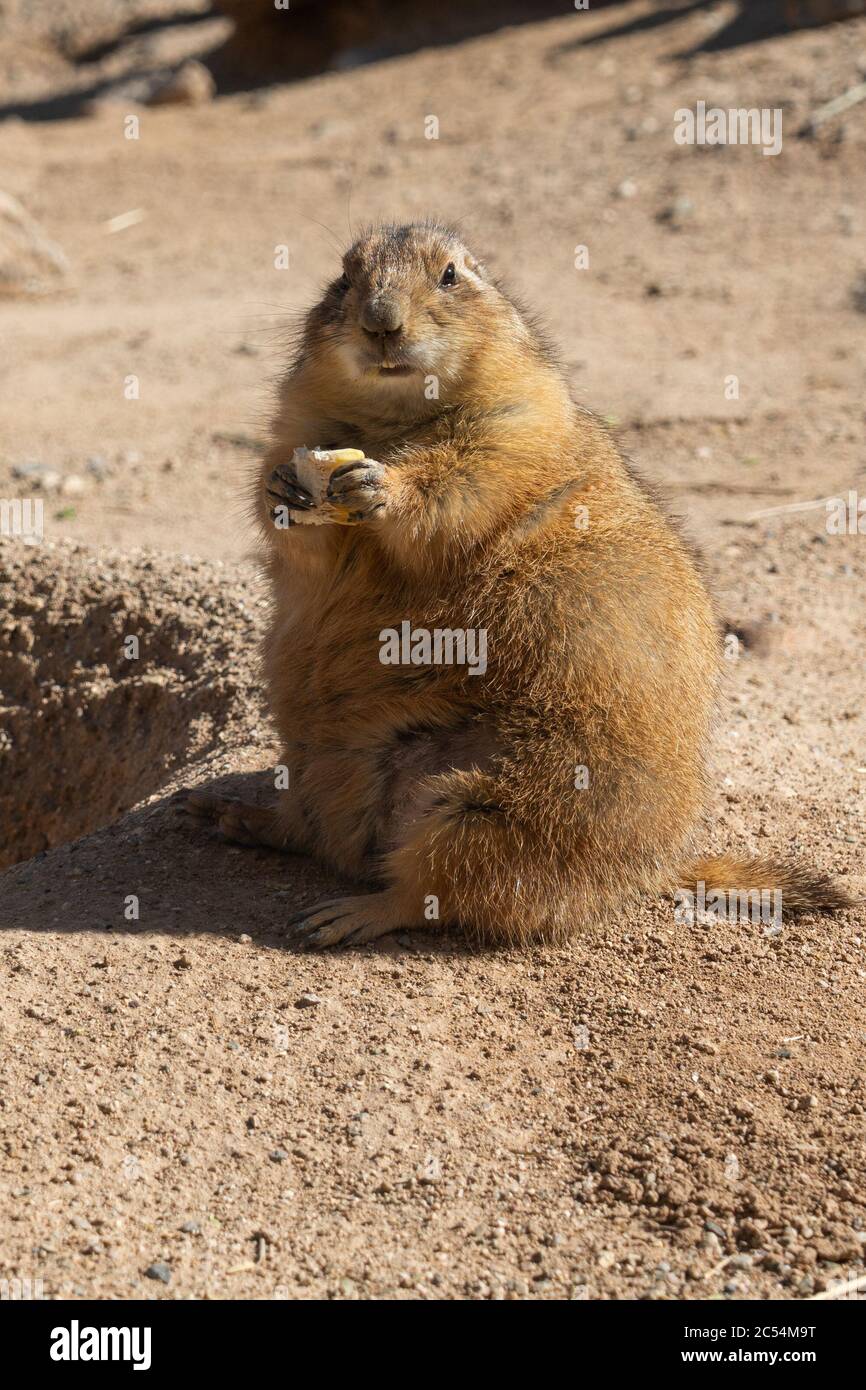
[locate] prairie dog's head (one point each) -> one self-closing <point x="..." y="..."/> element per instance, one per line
<point x="409" y="310"/>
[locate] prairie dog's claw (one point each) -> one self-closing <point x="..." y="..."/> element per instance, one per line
<point x="356" y="488"/>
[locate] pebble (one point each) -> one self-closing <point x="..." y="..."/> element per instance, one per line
<point x="307" y="1001"/>
<point x="191" y="1228"/>
<point x="191" y="85"/>
<point x="39" y="474"/>
<point x="158" y="1271"/>
<point x="430" y="1170"/>
<point x="677" y="213"/>
<point x="278" y="1155"/>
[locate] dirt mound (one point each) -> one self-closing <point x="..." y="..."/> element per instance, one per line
<point x="114" y="670"/>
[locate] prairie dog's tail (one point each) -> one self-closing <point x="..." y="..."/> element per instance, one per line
<point x="802" y="889"/>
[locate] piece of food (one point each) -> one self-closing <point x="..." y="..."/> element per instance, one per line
<point x="313" y="468"/>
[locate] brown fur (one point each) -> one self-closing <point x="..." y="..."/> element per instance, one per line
<point x="603" y="650"/>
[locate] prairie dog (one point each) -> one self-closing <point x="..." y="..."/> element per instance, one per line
<point x="567" y="775"/>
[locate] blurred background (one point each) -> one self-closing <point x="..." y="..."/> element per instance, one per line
<point x="155" y="155"/>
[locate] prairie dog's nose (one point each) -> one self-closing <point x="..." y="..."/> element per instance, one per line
<point x="382" y="314"/>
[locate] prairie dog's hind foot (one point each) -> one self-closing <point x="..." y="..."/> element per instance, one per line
<point x="350" y="921"/>
<point x="238" y="821"/>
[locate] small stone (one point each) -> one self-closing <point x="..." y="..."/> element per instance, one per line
<point x="191" y="85"/>
<point x="430" y="1170"/>
<point x="30" y="469"/>
<point x="40" y="475"/>
<point x="158" y="1271"/>
<point x="307" y="1001"/>
<point x="278" y="1155"/>
<point x="837" y="1251"/>
<point x="627" y="189"/>
<point x="244" y="939"/>
<point x="191" y="1228"/>
<point x="677" y="213"/>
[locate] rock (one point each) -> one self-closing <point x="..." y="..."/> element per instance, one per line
<point x="158" y="1271"/>
<point x="191" y="1228"/>
<point x="837" y="1251"/>
<point x="278" y="1155"/>
<point x="191" y="85"/>
<point x="677" y="213"/>
<point x="30" y="263"/>
<point x="307" y="1001"/>
<point x="430" y="1170"/>
<point x="40" y="475"/>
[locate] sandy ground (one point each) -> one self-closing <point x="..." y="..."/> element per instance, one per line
<point x="190" y="1108"/>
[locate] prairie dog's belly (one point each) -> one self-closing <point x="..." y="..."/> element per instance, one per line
<point x="361" y="736"/>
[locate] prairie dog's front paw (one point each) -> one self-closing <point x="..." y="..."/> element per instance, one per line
<point x="356" y="490"/>
<point x="296" y="490"/>
<point x="287" y="497"/>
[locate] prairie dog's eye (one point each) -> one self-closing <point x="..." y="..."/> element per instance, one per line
<point x="449" y="275"/>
